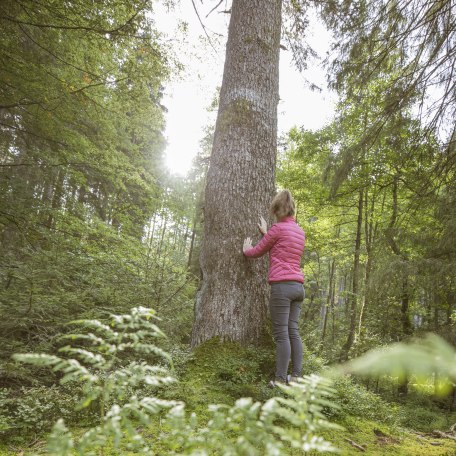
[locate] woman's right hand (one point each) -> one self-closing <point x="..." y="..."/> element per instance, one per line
<point x="262" y="226"/>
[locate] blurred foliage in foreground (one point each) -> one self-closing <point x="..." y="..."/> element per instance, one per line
<point x="428" y="357"/>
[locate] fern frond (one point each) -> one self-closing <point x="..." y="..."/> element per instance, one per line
<point x="40" y="359"/>
<point x="97" y="326"/>
<point x="94" y="359"/>
<point x="146" y="349"/>
<point x="60" y="440"/>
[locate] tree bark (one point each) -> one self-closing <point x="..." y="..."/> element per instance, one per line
<point x="232" y="301"/>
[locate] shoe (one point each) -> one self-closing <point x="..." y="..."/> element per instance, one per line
<point x="292" y="378"/>
<point x="273" y="383"/>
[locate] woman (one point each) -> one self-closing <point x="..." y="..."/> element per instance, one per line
<point x="285" y="241"/>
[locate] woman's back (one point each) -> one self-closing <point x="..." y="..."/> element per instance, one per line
<point x="285" y="255"/>
<point x="286" y="241"/>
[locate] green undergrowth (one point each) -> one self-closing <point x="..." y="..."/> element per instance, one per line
<point x="378" y="438"/>
<point x="225" y="371"/>
<point x="219" y="372"/>
<point x="222" y="372"/>
<point x="424" y="414"/>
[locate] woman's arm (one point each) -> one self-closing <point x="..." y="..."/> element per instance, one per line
<point x="264" y="245"/>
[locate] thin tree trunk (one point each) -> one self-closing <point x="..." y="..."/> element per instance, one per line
<point x="406" y="324"/>
<point x="330" y="297"/>
<point x="436" y="310"/>
<point x="333" y="312"/>
<point x="162" y="237"/>
<point x="311" y="291"/>
<point x="56" y="198"/>
<point x="405" y="300"/>
<point x="370" y="230"/>
<point x="183" y="244"/>
<point x="232" y="301"/>
<point x="354" y="295"/>
<point x="154" y="220"/>
<point x="192" y="243"/>
<point x="450" y="299"/>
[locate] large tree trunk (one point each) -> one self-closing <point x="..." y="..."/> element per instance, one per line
<point x="232" y="301"/>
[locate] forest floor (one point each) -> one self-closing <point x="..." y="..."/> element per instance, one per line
<point x="358" y="433"/>
<point x="362" y="436"/>
<point x="222" y="373"/>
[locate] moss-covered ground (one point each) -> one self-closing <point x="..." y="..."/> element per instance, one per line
<point x="222" y="373"/>
<point x="380" y="439"/>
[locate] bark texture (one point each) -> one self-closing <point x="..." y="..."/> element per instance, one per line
<point x="232" y="301"/>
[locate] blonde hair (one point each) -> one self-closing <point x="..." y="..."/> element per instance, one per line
<point x="282" y="205"/>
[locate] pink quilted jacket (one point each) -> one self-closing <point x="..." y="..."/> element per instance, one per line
<point x="285" y="241"/>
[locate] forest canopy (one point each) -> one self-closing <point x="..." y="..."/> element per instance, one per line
<point x="95" y="232"/>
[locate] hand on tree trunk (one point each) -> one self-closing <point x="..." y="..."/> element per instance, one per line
<point x="262" y="226"/>
<point x="247" y="244"/>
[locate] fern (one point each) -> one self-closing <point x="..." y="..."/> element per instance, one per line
<point x="302" y="409"/>
<point x="106" y="375"/>
<point x="110" y="379"/>
<point x="252" y="429"/>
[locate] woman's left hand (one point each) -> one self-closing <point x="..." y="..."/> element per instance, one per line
<point x="263" y="227"/>
<point x="247" y="244"/>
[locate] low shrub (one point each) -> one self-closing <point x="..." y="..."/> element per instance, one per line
<point x="354" y="399"/>
<point x="34" y="410"/>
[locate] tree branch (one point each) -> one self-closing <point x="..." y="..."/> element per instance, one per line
<point x="202" y="25"/>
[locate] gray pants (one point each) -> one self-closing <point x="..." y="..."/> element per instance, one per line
<point x="285" y="307"/>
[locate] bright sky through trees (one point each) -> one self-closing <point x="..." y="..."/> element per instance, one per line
<point x="188" y="98"/>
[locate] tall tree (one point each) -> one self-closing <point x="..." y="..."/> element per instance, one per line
<point x="232" y="301"/>
<point x="81" y="141"/>
<point x="423" y="32"/>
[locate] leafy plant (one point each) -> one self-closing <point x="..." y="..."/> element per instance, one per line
<point x="250" y="428"/>
<point x="36" y="409"/>
<point x="5" y="423"/>
<point x="421" y="358"/>
<point x="106" y="374"/>
<point x="101" y="365"/>
<point x="356" y="400"/>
